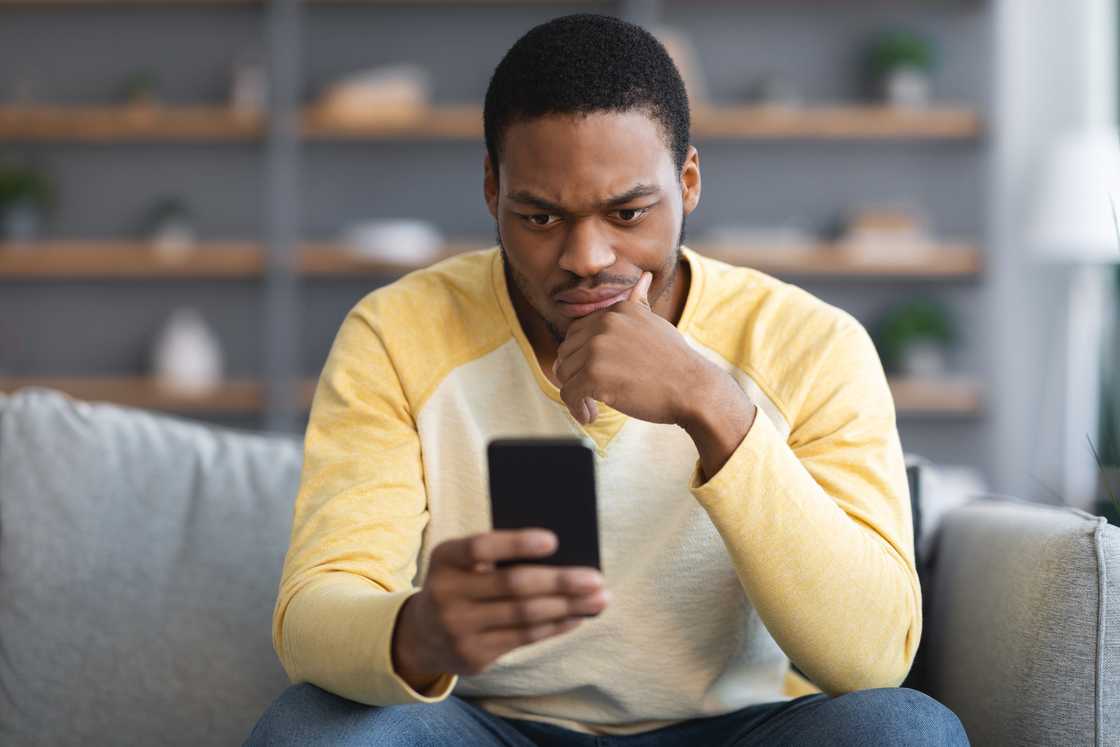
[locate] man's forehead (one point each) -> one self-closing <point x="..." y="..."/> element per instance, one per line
<point x="628" y="141"/>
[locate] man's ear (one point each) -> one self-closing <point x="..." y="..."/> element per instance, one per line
<point x="490" y="185"/>
<point x="690" y="180"/>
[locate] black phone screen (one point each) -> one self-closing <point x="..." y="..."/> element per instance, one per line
<point x="549" y="483"/>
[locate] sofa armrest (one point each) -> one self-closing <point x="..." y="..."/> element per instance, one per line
<point x="1022" y="630"/>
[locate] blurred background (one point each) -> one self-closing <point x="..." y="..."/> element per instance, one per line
<point x="194" y="192"/>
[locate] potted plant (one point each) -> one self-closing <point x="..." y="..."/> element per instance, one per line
<point x="900" y="63"/>
<point x="914" y="338"/>
<point x="25" y="196"/>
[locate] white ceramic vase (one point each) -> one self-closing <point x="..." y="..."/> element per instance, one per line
<point x="187" y="357"/>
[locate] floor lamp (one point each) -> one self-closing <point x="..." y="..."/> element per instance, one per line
<point x="1074" y="225"/>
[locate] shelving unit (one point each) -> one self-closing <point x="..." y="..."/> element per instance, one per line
<point x="102" y="124"/>
<point x="232" y="397"/>
<point x="61" y="260"/>
<point x="297" y="275"/>
<point x="202" y="123"/>
<point x="946" y="398"/>
<point x="726" y="123"/>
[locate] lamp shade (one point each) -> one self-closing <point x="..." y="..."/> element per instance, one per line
<point x="1073" y="219"/>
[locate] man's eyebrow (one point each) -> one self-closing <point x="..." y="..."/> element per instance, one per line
<point x="528" y="198"/>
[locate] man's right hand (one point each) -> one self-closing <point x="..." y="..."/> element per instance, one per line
<point x="469" y="613"/>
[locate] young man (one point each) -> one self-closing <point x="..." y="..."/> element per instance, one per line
<point x="753" y="499"/>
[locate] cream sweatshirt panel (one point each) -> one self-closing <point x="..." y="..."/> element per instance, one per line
<point x="679" y="623"/>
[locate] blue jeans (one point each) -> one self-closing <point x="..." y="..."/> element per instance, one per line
<point x="307" y="715"/>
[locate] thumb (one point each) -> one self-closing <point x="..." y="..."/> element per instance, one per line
<point x="640" y="294"/>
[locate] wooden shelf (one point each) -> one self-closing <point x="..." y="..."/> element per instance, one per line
<point x="949" y="397"/>
<point x="235" y="396"/>
<point x="60" y="260"/>
<point x="835" y="123"/>
<point x="177" y="123"/>
<point x="941" y="261"/>
<point x="128" y="124"/>
<point x="109" y="3"/>
<point x="718" y="123"/>
<point x="959" y="397"/>
<point x="437" y="123"/>
<point x="823" y="260"/>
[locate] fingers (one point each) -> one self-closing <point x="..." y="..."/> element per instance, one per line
<point x="529" y="581"/>
<point x="580" y="394"/>
<point x="522" y="613"/>
<point x="511" y="638"/>
<point x="567" y="367"/>
<point x="467" y="553"/>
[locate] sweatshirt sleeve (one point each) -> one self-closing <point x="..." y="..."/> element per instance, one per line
<point x="819" y="527"/>
<point x="356" y="528"/>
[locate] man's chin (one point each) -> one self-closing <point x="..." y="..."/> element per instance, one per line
<point x="557" y="325"/>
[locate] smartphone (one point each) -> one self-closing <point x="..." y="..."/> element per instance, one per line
<point x="548" y="483"/>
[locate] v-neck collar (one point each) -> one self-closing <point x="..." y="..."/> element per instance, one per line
<point x="610" y="421"/>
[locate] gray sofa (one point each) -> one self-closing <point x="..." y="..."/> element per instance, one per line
<point x="139" y="558"/>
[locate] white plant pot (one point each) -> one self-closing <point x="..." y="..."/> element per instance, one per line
<point x="907" y="87"/>
<point x="924" y="359"/>
<point x="20" y="222"/>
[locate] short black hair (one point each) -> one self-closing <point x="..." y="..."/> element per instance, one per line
<point x="586" y="63"/>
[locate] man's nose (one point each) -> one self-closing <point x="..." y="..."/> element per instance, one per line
<point x="587" y="250"/>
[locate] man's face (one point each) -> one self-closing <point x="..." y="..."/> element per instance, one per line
<point x="584" y="204"/>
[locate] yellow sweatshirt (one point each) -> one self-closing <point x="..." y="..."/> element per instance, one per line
<point x="800" y="548"/>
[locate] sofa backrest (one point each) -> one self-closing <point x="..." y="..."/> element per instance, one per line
<point x="139" y="561"/>
<point x="1023" y="624"/>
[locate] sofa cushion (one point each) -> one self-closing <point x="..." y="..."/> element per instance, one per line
<point x="139" y="561"/>
<point x="1023" y="625"/>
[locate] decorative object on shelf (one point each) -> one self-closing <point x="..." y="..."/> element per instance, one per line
<point x="141" y="88"/>
<point x="169" y="226"/>
<point x="779" y="238"/>
<point x="26" y="195"/>
<point x="772" y="91"/>
<point x="248" y="95"/>
<point x="887" y="234"/>
<point x="397" y="241"/>
<point x="392" y="95"/>
<point x="683" y="53"/>
<point x="915" y="337"/>
<point x="900" y="63"/>
<point x="22" y="89"/>
<point x="187" y="357"/>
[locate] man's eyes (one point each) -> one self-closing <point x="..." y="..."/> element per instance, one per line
<point x="541" y="219"/>
<point x="630" y="215"/>
<point x="625" y="216"/>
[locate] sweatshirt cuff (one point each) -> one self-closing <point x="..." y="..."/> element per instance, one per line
<point x="742" y="467"/>
<point x="434" y="693"/>
<point x="339" y="636"/>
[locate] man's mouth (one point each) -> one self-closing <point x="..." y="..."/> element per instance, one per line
<point x="577" y="303"/>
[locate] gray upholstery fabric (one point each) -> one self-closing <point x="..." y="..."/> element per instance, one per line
<point x="139" y="563"/>
<point x="1023" y="627"/>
